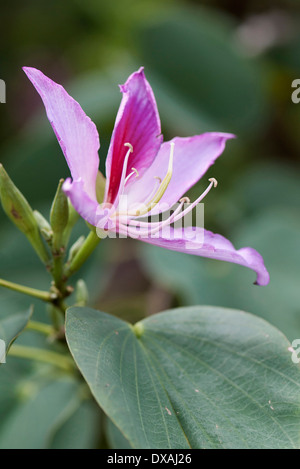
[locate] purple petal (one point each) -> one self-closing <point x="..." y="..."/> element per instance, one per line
<point x="204" y="243"/>
<point x="192" y="158"/>
<point x="89" y="209"/>
<point x="137" y="123"/>
<point x="76" y="133"/>
<point x="83" y="204"/>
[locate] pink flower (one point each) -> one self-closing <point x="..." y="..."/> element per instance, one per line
<point x="150" y="175"/>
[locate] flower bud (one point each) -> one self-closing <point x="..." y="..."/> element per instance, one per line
<point x="75" y="248"/>
<point x="59" y="215"/>
<point x="21" y="214"/>
<point x="44" y="226"/>
<point x="82" y="295"/>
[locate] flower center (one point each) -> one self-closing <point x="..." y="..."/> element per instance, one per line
<point x="136" y="228"/>
<point x="123" y="222"/>
<point x="159" y="192"/>
<point x="162" y="186"/>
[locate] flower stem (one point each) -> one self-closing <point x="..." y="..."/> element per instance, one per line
<point x="73" y="218"/>
<point x="41" y="295"/>
<point x="83" y="254"/>
<point x="57" y="271"/>
<point x="41" y="327"/>
<point x="41" y="355"/>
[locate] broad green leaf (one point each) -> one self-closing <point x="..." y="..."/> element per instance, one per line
<point x="11" y="325"/>
<point x="39" y="407"/>
<point x="115" y="438"/>
<point x="81" y="430"/>
<point x="199" y="377"/>
<point x="275" y="234"/>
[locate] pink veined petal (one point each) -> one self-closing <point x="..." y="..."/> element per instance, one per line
<point x="89" y="209"/>
<point x="75" y="132"/>
<point x="192" y="158"/>
<point x="137" y="123"/>
<point x="204" y="243"/>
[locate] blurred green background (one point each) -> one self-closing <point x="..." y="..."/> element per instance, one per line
<point x="213" y="65"/>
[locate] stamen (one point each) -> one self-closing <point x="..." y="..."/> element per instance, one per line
<point x="154" y="227"/>
<point x="154" y="190"/>
<point x="123" y="175"/>
<point x="166" y="181"/>
<point x="213" y="183"/>
<point x="129" y="146"/>
<point x="134" y="171"/>
<point x="161" y="189"/>
<point x="185" y="200"/>
<point x="157" y="226"/>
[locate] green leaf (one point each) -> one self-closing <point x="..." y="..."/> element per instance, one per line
<point x="199" y="377"/>
<point x="80" y="430"/>
<point x="41" y="408"/>
<point x="11" y="325"/>
<point x="38" y="409"/>
<point x="275" y="235"/>
<point x="115" y="438"/>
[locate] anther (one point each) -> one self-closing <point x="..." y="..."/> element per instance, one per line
<point x="214" y="181"/>
<point x="135" y="171"/>
<point x="163" y="184"/>
<point x="123" y="179"/>
<point x="129" y="146"/>
<point x="185" y="200"/>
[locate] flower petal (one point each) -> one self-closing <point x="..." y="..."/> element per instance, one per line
<point x="192" y="158"/>
<point x="89" y="209"/>
<point x="76" y="133"/>
<point x="137" y="123"/>
<point x="204" y="243"/>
